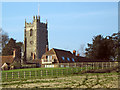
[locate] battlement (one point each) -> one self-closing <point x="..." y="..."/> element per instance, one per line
<point x="35" y="19"/>
<point x="42" y="23"/>
<point x="29" y="24"/>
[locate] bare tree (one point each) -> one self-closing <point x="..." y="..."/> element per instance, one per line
<point x="81" y="50"/>
<point x="4" y="38"/>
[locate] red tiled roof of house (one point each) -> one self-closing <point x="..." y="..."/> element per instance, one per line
<point x="6" y="59"/>
<point x="50" y="52"/>
<point x="67" y="55"/>
<point x="84" y="59"/>
<point x="35" y="61"/>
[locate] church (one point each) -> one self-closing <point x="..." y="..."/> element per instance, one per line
<point x="36" y="53"/>
<point x="35" y="40"/>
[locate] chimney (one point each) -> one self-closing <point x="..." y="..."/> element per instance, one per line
<point x="14" y="53"/>
<point x="47" y="49"/>
<point x="74" y="52"/>
<point x="78" y="54"/>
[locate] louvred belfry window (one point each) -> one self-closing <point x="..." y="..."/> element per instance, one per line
<point x="31" y="32"/>
<point x="31" y="54"/>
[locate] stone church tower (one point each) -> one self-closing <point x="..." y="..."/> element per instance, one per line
<point x="35" y="39"/>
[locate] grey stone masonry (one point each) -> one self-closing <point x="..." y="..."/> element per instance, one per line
<point x="35" y="39"/>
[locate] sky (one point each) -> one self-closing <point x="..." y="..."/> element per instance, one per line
<point x="70" y="24"/>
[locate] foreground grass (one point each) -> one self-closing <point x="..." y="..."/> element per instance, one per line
<point x="32" y="69"/>
<point x="103" y="80"/>
<point x="35" y="73"/>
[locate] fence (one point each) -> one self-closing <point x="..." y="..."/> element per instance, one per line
<point x="46" y="72"/>
<point x="40" y="73"/>
<point x="103" y="65"/>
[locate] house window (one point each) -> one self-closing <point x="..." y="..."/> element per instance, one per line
<point x="63" y="58"/>
<point x="44" y="60"/>
<point x="73" y="60"/>
<point x="49" y="58"/>
<point x="68" y="58"/>
<point x="31" y="32"/>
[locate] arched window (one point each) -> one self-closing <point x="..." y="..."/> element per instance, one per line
<point x="31" y="32"/>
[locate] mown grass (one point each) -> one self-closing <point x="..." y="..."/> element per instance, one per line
<point x="32" y="69"/>
<point x="103" y="80"/>
<point x="34" y="73"/>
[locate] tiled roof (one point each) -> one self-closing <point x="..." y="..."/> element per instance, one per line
<point x="50" y="52"/>
<point x="35" y="61"/>
<point x="64" y="56"/>
<point x="84" y="59"/>
<point x="6" y="59"/>
<point x="67" y="57"/>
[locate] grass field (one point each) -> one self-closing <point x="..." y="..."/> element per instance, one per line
<point x="18" y="74"/>
<point x="58" y="78"/>
<point x="104" y="80"/>
<point x="32" y="69"/>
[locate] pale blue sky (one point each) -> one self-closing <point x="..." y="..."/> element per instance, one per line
<point x="69" y="24"/>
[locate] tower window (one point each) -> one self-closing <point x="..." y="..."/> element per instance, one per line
<point x="31" y="32"/>
<point x="31" y="54"/>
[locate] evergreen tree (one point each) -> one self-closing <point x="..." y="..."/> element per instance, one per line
<point x="103" y="48"/>
<point x="10" y="46"/>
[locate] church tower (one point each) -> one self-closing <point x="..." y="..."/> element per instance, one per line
<point x="35" y="39"/>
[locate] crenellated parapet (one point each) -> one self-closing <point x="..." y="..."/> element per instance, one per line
<point x="29" y="25"/>
<point x="36" y="19"/>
